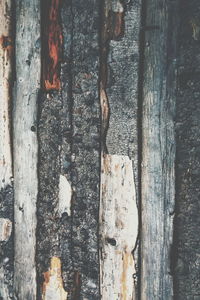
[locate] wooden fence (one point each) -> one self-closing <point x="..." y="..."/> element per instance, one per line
<point x="87" y="149"/>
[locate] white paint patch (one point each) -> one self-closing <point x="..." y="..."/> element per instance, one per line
<point x="65" y="196"/>
<point x="5" y="229"/>
<point x="118" y="228"/>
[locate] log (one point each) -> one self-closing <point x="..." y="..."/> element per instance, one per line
<point x="25" y="145"/>
<point x="119" y="148"/>
<point x="6" y="174"/>
<point x="187" y="221"/>
<point x="85" y="147"/>
<point x="158" y="151"/>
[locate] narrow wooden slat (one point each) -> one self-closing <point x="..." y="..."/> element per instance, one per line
<point x="119" y="161"/>
<point x="25" y="145"/>
<point x="6" y="189"/>
<point x="6" y="46"/>
<point x="158" y="152"/>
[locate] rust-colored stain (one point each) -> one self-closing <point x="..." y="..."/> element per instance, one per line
<point x="52" y="42"/>
<point x="117" y="25"/>
<point x="6" y="44"/>
<point x="127" y="261"/>
<point x="53" y="283"/>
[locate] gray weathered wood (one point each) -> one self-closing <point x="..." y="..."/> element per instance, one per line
<point x="158" y="152"/>
<point x="25" y="145"/>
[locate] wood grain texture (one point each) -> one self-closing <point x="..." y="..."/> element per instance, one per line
<point x="119" y="46"/>
<point x="6" y="47"/>
<point x="118" y="228"/>
<point x="158" y="151"/>
<point x="25" y="145"/>
<point x="6" y="174"/>
<point x="187" y="221"/>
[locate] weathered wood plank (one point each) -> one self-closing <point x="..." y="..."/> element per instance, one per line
<point x="85" y="147"/>
<point x="6" y="189"/>
<point x="158" y="151"/>
<point x="6" y="46"/>
<point x="118" y="228"/>
<point x="187" y="221"/>
<point x="25" y="145"/>
<point x="119" y="107"/>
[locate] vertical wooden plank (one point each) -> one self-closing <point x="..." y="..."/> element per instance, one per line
<point x="53" y="188"/>
<point x="6" y="46"/>
<point x="6" y="189"/>
<point x="187" y="221"/>
<point x="119" y="142"/>
<point x="69" y="152"/>
<point x="25" y="145"/>
<point x="158" y="151"/>
<point x="85" y="147"/>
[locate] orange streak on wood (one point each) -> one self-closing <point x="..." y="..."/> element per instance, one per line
<point x="53" y="41"/>
<point x="6" y="44"/>
<point x="53" y="283"/>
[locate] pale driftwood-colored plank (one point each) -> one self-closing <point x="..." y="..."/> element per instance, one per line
<point x="118" y="228"/>
<point x="25" y="145"/>
<point x="158" y="153"/>
<point x="5" y="77"/>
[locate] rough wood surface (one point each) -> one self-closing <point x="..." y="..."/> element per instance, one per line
<point x="85" y="147"/>
<point x="158" y="151"/>
<point x="69" y="157"/>
<point x="6" y="47"/>
<point x="25" y="145"/>
<point x="187" y="222"/>
<point x="118" y="228"/>
<point x="119" y="46"/>
<point x="53" y="284"/>
<point x="6" y="175"/>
